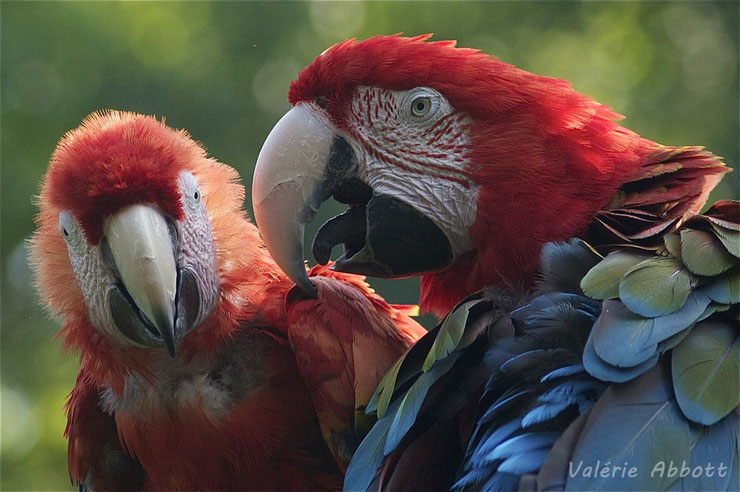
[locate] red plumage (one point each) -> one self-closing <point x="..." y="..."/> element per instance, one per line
<point x="126" y="428"/>
<point x="111" y="161"/>
<point x="534" y="142"/>
<point x="344" y="347"/>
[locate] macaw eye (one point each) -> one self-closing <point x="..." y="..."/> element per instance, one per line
<point x="190" y="190"/>
<point x="420" y="106"/>
<point x="66" y="225"/>
<point x="71" y="231"/>
<point x="195" y="198"/>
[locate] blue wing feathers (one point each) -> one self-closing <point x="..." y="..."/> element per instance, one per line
<point x="523" y="443"/>
<point x="546" y="394"/>
<point x="563" y="372"/>
<point x="543" y="413"/>
<point x="523" y="463"/>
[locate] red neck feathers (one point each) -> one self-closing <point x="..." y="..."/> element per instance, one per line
<point x="116" y="159"/>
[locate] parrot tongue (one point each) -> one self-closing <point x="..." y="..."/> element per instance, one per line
<point x="347" y="228"/>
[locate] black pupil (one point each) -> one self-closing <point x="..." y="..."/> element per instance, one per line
<point x="65" y="231"/>
<point x="196" y="195"/>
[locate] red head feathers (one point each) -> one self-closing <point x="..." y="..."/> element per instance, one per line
<point x="114" y="160"/>
<point x="538" y="160"/>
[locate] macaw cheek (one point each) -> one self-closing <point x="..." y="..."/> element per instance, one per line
<point x="399" y="241"/>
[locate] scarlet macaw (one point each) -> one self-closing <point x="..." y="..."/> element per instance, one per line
<point x="618" y="348"/>
<point x="191" y="359"/>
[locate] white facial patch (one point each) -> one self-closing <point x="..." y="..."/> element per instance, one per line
<point x="93" y="275"/>
<point x="415" y="149"/>
<point x="197" y="251"/>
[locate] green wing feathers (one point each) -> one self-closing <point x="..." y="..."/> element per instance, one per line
<point x="685" y="296"/>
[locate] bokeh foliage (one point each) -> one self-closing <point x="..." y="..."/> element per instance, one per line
<point x="222" y="69"/>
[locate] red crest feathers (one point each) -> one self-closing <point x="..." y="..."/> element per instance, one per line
<point x="115" y="159"/>
<point x="475" y="83"/>
<point x="546" y="158"/>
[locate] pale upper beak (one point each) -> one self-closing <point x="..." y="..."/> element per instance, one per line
<point x="289" y="186"/>
<point x="141" y="247"/>
<point x="304" y="161"/>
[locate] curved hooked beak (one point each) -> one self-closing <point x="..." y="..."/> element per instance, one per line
<point x="294" y="175"/>
<point x="303" y="162"/>
<point x="140" y="244"/>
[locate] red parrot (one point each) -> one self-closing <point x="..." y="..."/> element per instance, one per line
<point x="590" y="315"/>
<point x="192" y="362"/>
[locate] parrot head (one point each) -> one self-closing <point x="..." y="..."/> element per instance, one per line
<point x="124" y="249"/>
<point x="455" y="166"/>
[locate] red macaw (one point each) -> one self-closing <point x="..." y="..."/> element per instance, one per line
<point x="472" y="174"/>
<point x="192" y="361"/>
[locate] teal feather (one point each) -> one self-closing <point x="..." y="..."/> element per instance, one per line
<point x="369" y="456"/>
<point x="602" y="281"/>
<point x="644" y="426"/>
<point x="725" y="288"/>
<point x="544" y="412"/>
<point x="563" y="372"/>
<point x="625" y="339"/>
<point x="493" y="438"/>
<point x="411" y="402"/>
<point x="704" y="253"/>
<point x="524" y="463"/>
<point x="523" y="443"/>
<point x="597" y="367"/>
<point x="656" y="287"/>
<point x="706" y="372"/>
<point x="716" y="446"/>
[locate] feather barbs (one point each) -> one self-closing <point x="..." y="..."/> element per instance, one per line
<point x="114" y="159"/>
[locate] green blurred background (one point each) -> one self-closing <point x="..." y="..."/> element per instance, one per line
<point x="221" y="70"/>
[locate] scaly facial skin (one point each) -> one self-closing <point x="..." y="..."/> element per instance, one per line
<point x="150" y="279"/>
<point x="398" y="160"/>
<point x="421" y="149"/>
<point x="457" y="167"/>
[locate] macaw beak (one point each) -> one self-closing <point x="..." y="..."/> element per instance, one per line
<point x="304" y="161"/>
<point x="139" y="242"/>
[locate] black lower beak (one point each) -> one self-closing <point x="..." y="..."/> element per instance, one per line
<point x="383" y="238"/>
<point x="303" y="162"/>
<point x="135" y="325"/>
